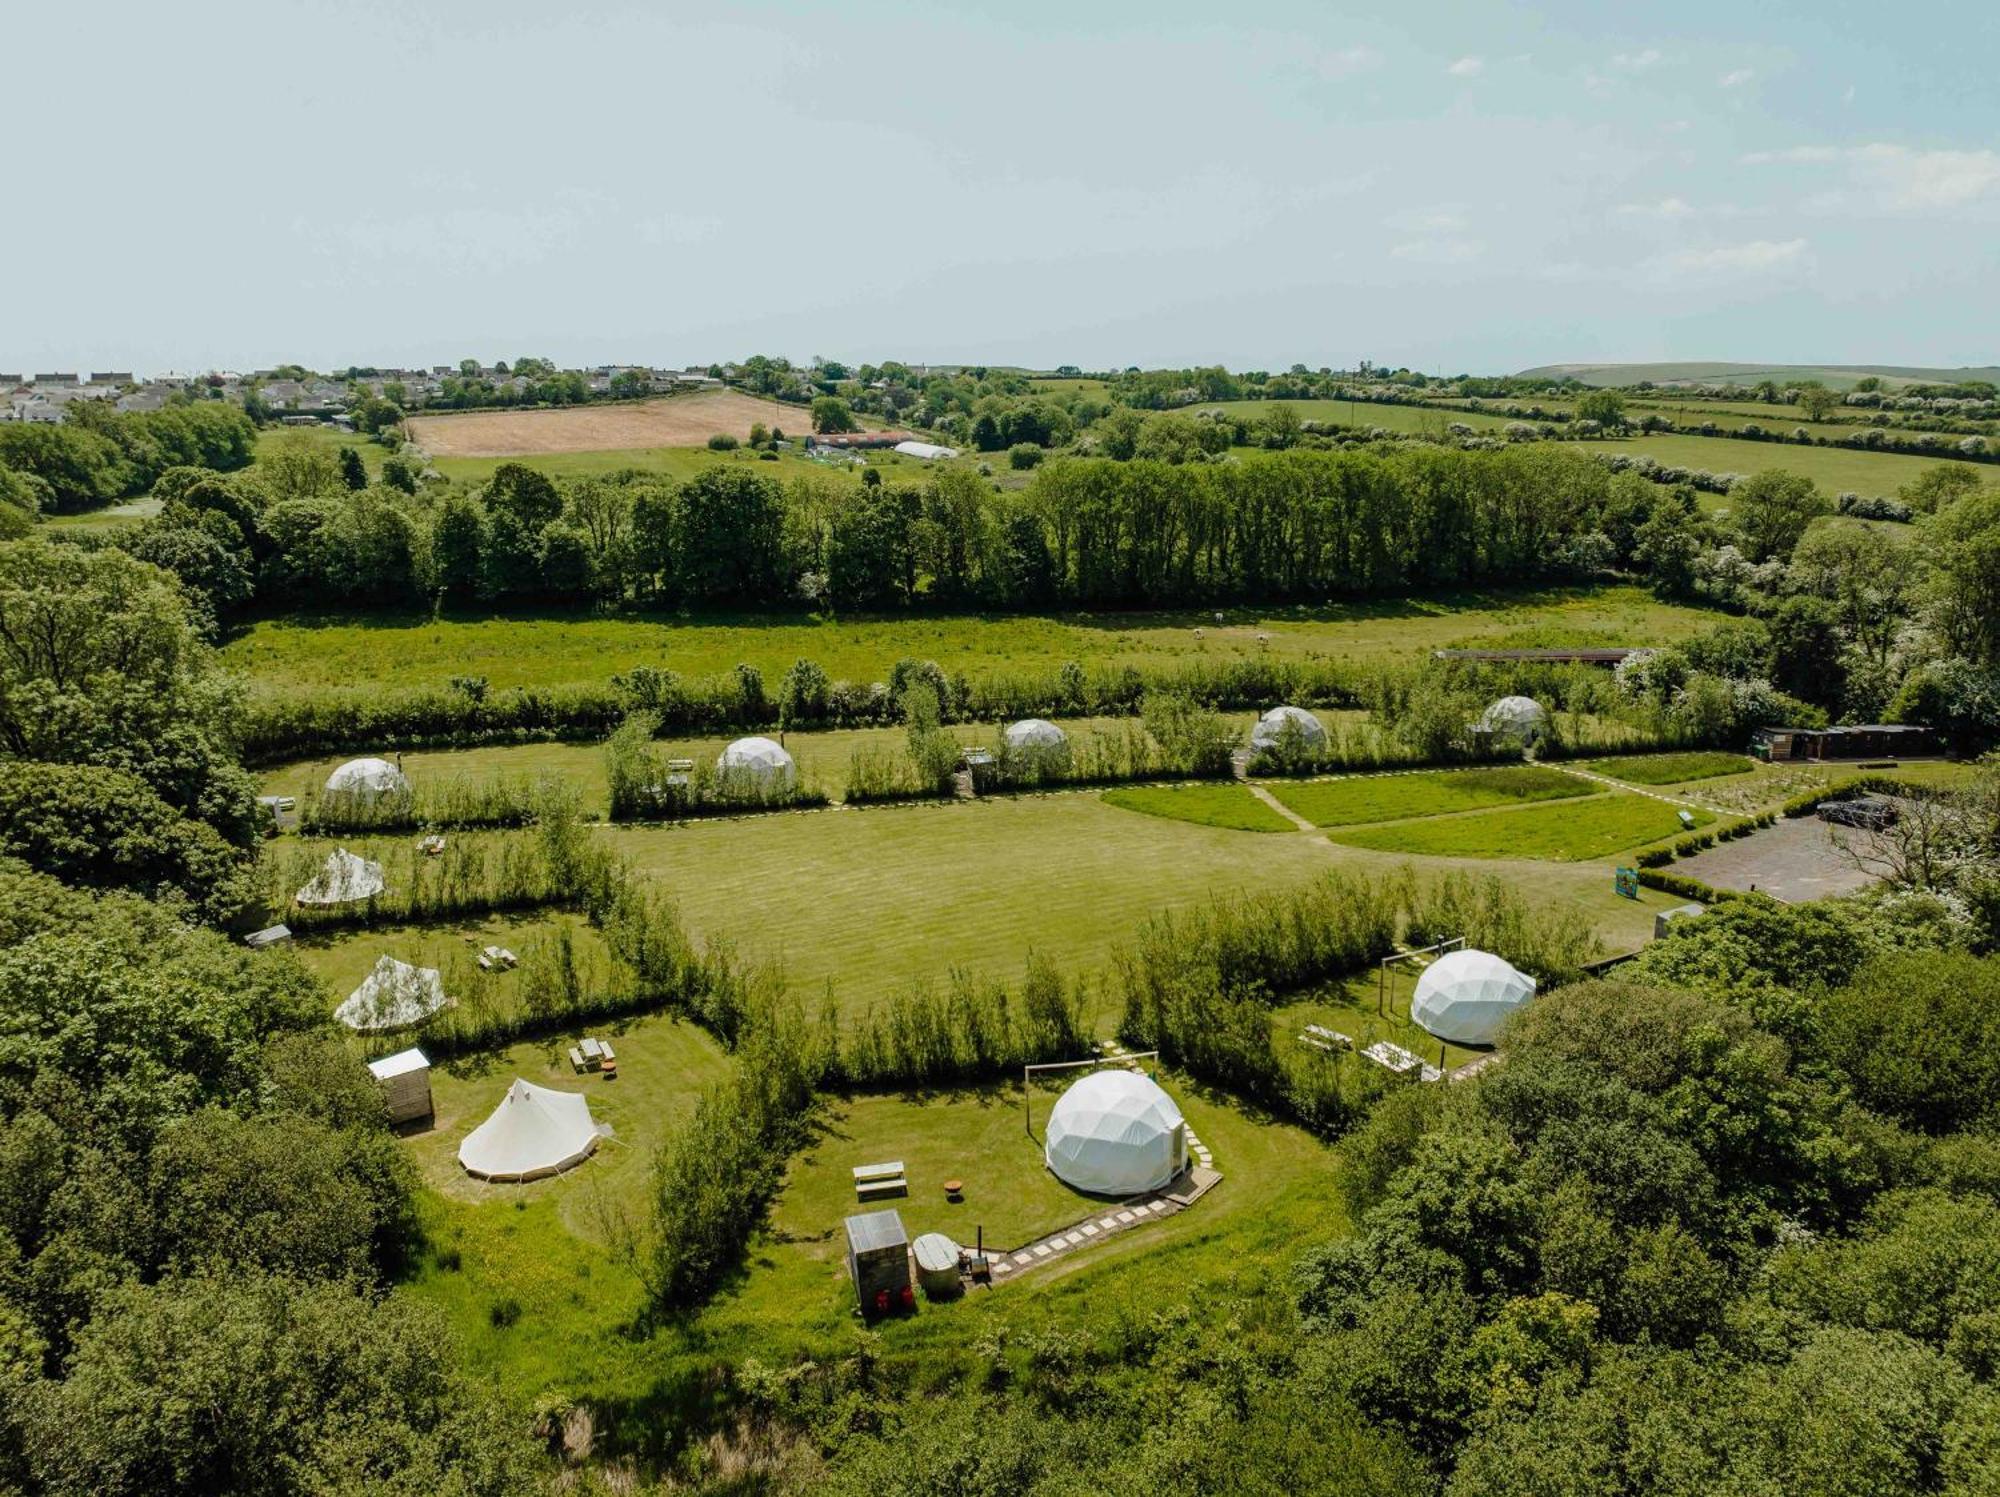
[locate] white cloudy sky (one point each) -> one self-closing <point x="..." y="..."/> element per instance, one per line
<point x="1450" y="185"/>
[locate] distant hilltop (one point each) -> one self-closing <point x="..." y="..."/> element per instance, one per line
<point x="1833" y="376"/>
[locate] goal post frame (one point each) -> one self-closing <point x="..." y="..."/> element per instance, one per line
<point x="1028" y="1073"/>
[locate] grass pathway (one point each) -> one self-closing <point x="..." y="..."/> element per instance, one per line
<point x="1282" y="809"/>
<point x="1610" y="784"/>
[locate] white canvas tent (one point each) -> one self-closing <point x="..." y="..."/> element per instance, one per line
<point x="1515" y="719"/>
<point x="1115" y="1133"/>
<point x="759" y="763"/>
<point x="1270" y="729"/>
<point x="345" y="878"/>
<point x="1464" y="997"/>
<point x="367" y="780"/>
<point x="535" y="1131"/>
<point x="393" y="996"/>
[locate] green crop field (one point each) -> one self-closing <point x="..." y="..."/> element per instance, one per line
<point x="1591" y="828"/>
<point x="1394" y="797"/>
<point x="1205" y="805"/>
<point x="417" y="648"/>
<point x="1835" y="470"/>
<point x="1673" y="769"/>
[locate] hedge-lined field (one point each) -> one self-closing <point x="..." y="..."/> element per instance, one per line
<point x="1591" y="828"/>
<point x="1673" y="769"/>
<point x="1394" y="797"/>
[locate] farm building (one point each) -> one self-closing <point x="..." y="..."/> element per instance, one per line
<point x="393" y="996"/>
<point x="928" y="451"/>
<point x="367" y="781"/>
<point x="345" y="878"/>
<point x="1270" y="731"/>
<point x="405" y="1080"/>
<point x="535" y="1131"/>
<point x="1866" y="741"/>
<point x="878" y="1260"/>
<point x="758" y="763"/>
<point x="1115" y="1133"/>
<point x="1465" y="996"/>
<point x="1519" y="720"/>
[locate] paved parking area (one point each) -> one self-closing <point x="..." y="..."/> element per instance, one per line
<point x="1795" y="860"/>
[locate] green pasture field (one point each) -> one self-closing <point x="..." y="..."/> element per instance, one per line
<point x="1592" y="828"/>
<point x="1349" y="1007"/>
<point x="683" y="463"/>
<point x="1230" y="805"/>
<point x="341" y="959"/>
<point x="1395" y="797"/>
<point x="1836" y="470"/>
<point x="1673" y="769"/>
<point x="110" y="517"/>
<point x="329" y="437"/>
<point x="1364" y="413"/>
<point x="558" y="647"/>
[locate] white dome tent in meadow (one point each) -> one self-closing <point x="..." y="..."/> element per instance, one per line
<point x="1275" y="726"/>
<point x="535" y="1131"/>
<point x="1464" y="997"/>
<point x="344" y="878"/>
<point x="395" y="995"/>
<point x="758" y="764"/>
<point x="1035" y="738"/>
<point x="366" y="781"/>
<point x="1115" y="1133"/>
<point x="1520" y="720"/>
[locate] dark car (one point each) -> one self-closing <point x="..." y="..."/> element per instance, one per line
<point x="1869" y="812"/>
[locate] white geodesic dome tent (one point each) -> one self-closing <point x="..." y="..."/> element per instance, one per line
<point x="1520" y="719"/>
<point x="1031" y="735"/>
<point x="393" y="996"/>
<point x="367" y="780"/>
<point x="1270" y="729"/>
<point x="535" y="1131"/>
<point x="759" y="763"/>
<point x="345" y="878"/>
<point x="1115" y="1133"/>
<point x="1465" y="996"/>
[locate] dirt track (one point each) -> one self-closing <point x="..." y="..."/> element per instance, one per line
<point x="671" y="421"/>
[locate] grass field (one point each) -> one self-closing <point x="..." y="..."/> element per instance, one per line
<point x="1205" y="805"/>
<point x="1394" y="797"/>
<point x="1363" y="413"/>
<point x="331" y="438"/>
<point x="1673" y="769"/>
<point x="405" y="649"/>
<point x="1593" y="828"/>
<point x="666" y="421"/>
<point x="1835" y="470"/>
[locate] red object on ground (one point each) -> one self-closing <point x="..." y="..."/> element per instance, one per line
<point x="909" y="1297"/>
<point x="881" y="1302"/>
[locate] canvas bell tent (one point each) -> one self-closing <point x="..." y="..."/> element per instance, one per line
<point x="345" y="878"/>
<point x="1115" y="1133"/>
<point x="535" y="1131"/>
<point x="758" y="765"/>
<point x="1466" y="996"/>
<point x="393" y="996"/>
<point x="1280" y="724"/>
<point x="1513" y="720"/>
<point x="367" y="781"/>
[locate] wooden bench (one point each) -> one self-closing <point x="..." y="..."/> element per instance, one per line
<point x="576" y="1058"/>
<point x="863" y="1173"/>
<point x="875" y="1190"/>
<point x="1330" y="1037"/>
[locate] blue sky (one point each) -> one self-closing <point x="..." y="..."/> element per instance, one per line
<point x="1448" y="185"/>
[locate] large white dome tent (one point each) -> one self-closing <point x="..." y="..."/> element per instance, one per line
<point x="1514" y="719"/>
<point x="1465" y="996"/>
<point x="1271" y="730"/>
<point x="758" y="764"/>
<point x="345" y="878"/>
<point x="1035" y="741"/>
<point x="367" y="780"/>
<point x="1115" y="1133"/>
<point x="535" y="1131"/>
<point x="394" y="995"/>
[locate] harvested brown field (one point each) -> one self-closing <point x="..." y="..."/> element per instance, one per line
<point x="670" y="421"/>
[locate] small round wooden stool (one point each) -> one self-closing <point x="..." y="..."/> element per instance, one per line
<point x="954" y="1190"/>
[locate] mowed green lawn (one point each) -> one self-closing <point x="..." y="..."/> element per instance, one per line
<point x="1569" y="832"/>
<point x="1392" y="797"/>
<point x="410" y="649"/>
<point x="1835" y="470"/>
<point x="1230" y="805"/>
<point x="1673" y="769"/>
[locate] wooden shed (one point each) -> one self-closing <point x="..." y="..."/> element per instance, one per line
<point x="878" y="1259"/>
<point x="405" y="1079"/>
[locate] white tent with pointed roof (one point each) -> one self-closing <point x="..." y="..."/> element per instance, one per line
<point x="535" y="1131"/>
<point x="1270" y="729"/>
<point x="367" y="780"/>
<point x="1115" y="1133"/>
<point x="758" y="763"/>
<point x="1466" y="995"/>
<point x="345" y="878"/>
<point x="393" y="996"/>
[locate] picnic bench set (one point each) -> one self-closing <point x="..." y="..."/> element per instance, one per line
<point x="875" y="1182"/>
<point x="594" y="1055"/>
<point x="1392" y="1057"/>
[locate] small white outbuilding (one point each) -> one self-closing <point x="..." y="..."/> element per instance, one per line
<point x="1466" y="995"/>
<point x="535" y="1131"/>
<point x="1115" y="1133"/>
<point x="345" y="878"/>
<point x="758" y="764"/>
<point x="1271" y="729"/>
<point x="367" y="780"/>
<point x="405" y="1080"/>
<point x="393" y="996"/>
<point x="1513" y="720"/>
